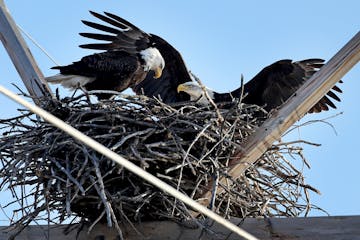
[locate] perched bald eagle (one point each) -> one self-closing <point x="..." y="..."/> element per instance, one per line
<point x="173" y="73"/>
<point x="271" y="87"/>
<point x="129" y="56"/>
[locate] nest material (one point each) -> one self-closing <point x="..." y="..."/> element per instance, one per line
<point x="184" y="145"/>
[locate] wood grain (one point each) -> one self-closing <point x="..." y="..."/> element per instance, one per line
<point x="314" y="228"/>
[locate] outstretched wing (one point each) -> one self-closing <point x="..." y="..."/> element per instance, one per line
<point x="277" y="82"/>
<point x="174" y="74"/>
<point x="122" y="35"/>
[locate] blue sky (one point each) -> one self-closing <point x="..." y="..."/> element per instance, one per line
<point x="219" y="42"/>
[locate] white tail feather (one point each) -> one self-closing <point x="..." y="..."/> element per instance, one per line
<point x="69" y="81"/>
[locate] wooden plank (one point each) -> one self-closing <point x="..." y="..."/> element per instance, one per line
<point x="315" y="228"/>
<point x="21" y="56"/>
<point x="294" y="109"/>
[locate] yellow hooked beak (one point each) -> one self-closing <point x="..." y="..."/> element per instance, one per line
<point x="158" y="73"/>
<point x="182" y="88"/>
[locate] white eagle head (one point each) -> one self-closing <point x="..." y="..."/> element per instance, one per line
<point x="153" y="61"/>
<point x="196" y="92"/>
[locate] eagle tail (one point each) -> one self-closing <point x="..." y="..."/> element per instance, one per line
<point x="69" y="81"/>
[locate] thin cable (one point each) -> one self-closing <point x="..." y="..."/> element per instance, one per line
<point x="125" y="163"/>
<point x="38" y="45"/>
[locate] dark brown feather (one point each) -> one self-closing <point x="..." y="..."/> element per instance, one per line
<point x="98" y="36"/>
<point x="333" y="95"/>
<point x="100" y="27"/>
<point x="110" y="21"/>
<point x="98" y="46"/>
<point x="121" y="20"/>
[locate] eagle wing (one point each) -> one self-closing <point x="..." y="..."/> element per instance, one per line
<point x="277" y="82"/>
<point x="101" y="71"/>
<point x="122" y="35"/>
<point x="101" y="64"/>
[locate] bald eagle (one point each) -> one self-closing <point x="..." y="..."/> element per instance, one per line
<point x="129" y="56"/>
<point x="173" y="73"/>
<point x="271" y="87"/>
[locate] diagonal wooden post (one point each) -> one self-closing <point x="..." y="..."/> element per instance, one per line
<point x="21" y="56"/>
<point x="294" y="109"/>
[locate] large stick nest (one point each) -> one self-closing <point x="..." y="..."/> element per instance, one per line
<point x="56" y="178"/>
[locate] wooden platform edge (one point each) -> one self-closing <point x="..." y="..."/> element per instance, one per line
<point x="318" y="228"/>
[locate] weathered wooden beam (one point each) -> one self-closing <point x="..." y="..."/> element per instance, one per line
<point x="319" y="228"/>
<point x="291" y="111"/>
<point x="21" y="56"/>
